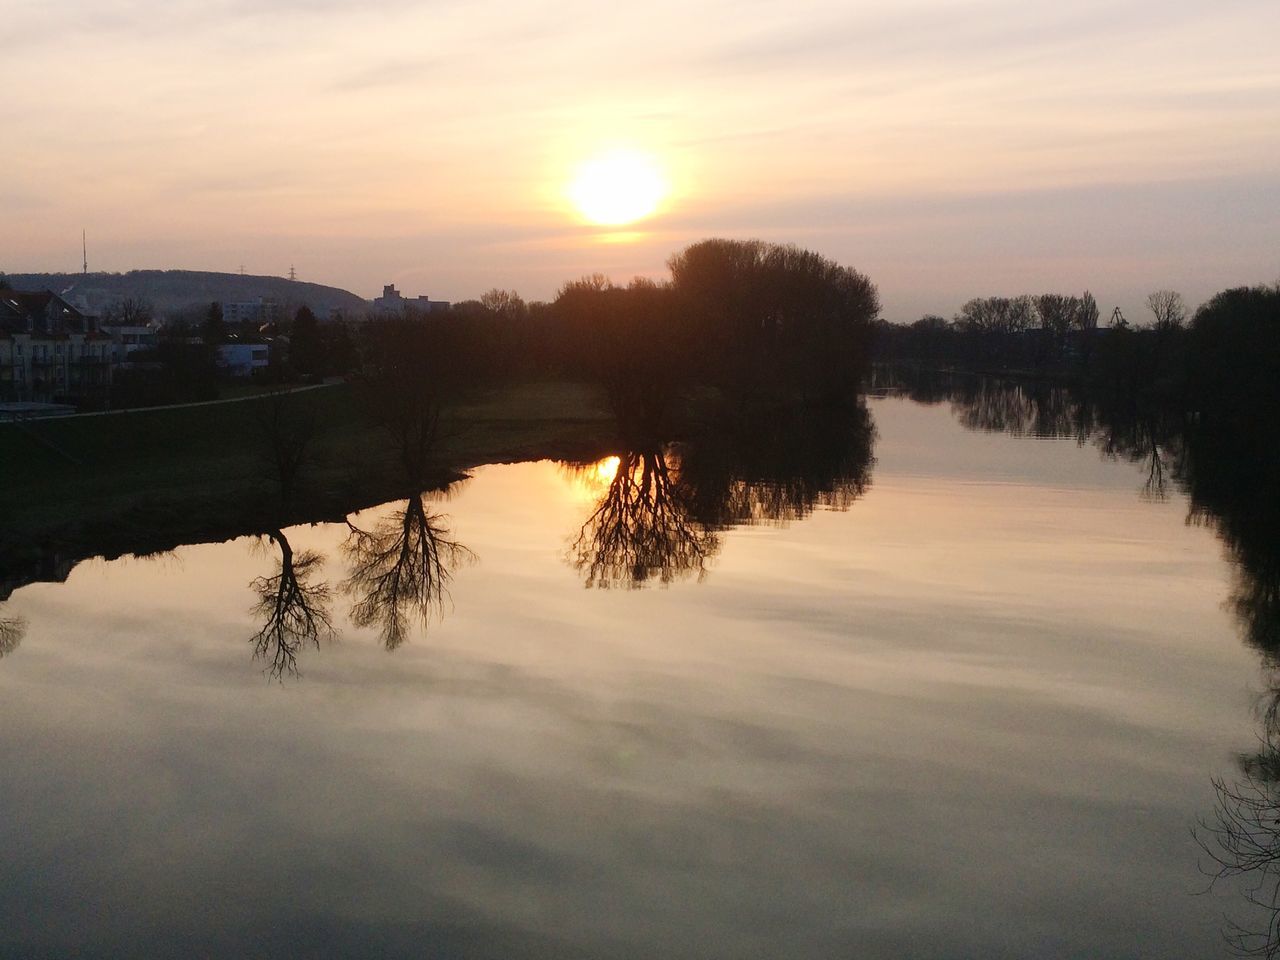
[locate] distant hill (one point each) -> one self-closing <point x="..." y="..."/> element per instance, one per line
<point x="170" y="291"/>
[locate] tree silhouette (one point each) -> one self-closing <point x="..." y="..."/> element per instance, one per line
<point x="662" y="511"/>
<point x="643" y="528"/>
<point x="306" y="345"/>
<point x="286" y="425"/>
<point x="293" y="608"/>
<point x="1168" y="308"/>
<point x="12" y="630"/>
<point x="400" y="570"/>
<point x="772" y="320"/>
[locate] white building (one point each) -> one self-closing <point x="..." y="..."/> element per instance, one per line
<point x="258" y="312"/>
<point x="49" y="349"/>
<point x="242" y="359"/>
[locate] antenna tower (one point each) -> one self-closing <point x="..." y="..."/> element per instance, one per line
<point x="84" y="249"/>
<point x="293" y="274"/>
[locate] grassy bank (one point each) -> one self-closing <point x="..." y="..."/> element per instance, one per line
<point x="151" y="479"/>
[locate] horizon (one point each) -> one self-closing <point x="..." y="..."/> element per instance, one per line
<point x="945" y="151"/>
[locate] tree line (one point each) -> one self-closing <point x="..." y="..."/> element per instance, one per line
<point x="1176" y="354"/>
<point x="758" y="321"/>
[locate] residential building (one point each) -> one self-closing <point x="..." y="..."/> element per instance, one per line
<point x="49" y="349"/>
<point x="259" y="312"/>
<point x="392" y="302"/>
<point x="129" y="339"/>
<point x="242" y="359"/>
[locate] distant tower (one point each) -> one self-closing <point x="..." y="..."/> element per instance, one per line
<point x="242" y="269"/>
<point x="293" y="274"/>
<point x="84" y="248"/>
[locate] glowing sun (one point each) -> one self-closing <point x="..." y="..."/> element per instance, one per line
<point x="617" y="187"/>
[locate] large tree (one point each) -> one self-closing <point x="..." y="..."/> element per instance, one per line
<point x="776" y="319"/>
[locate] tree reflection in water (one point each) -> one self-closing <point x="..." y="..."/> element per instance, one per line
<point x="1226" y="460"/>
<point x="1242" y="837"/>
<point x="294" y="608"/>
<point x="12" y="630"/>
<point x="643" y="528"/>
<point x="401" y="568"/>
<point x="664" y="508"/>
<point x="1233" y="478"/>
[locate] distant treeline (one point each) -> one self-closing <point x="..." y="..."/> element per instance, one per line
<point x="1230" y="347"/>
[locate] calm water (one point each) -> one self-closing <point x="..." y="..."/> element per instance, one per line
<point x="964" y="702"/>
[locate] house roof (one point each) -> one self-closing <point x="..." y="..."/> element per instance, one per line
<point x="32" y="308"/>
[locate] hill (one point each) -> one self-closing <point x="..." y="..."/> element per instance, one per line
<point x="171" y="291"/>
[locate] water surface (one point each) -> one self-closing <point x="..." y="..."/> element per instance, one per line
<point x="962" y="700"/>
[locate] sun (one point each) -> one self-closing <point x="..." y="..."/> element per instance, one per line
<point x="617" y="187"/>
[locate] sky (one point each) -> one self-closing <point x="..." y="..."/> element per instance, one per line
<point x="947" y="149"/>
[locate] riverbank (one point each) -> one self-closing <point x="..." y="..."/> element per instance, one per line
<point x="149" y="480"/>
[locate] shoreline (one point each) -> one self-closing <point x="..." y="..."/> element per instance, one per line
<point x="133" y="493"/>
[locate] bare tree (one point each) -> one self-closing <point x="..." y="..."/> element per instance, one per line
<point x="12" y="630"/>
<point x="1085" y="318"/>
<point x="506" y="304"/>
<point x="1057" y="313"/>
<point x="1168" y="308"/>
<point x="643" y="528"/>
<point x="286" y="427"/>
<point x="399" y="568"/>
<point x="294" y="610"/>
<point x="1242" y="839"/>
<point x="129" y="312"/>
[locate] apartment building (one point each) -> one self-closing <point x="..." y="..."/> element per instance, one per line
<point x="50" y="350"/>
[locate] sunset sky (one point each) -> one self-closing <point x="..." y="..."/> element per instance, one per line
<point x="947" y="149"/>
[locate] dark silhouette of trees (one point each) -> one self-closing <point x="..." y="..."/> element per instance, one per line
<point x="505" y="304"/>
<point x="306" y="346"/>
<point x="340" y="351"/>
<point x="1233" y="355"/>
<point x="777" y="465"/>
<point x="1242" y="839"/>
<point x="773" y="320"/>
<point x="129" y="312"/>
<point x="1168" y="309"/>
<point x="286" y="425"/>
<point x="1050" y="330"/>
<point x="400" y="570"/>
<point x="181" y="369"/>
<point x="294" y="609"/>
<point x="665" y="506"/>
<point x="636" y="346"/>
<point x="213" y="330"/>
<point x="644" y="527"/>
<point x="415" y="368"/>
